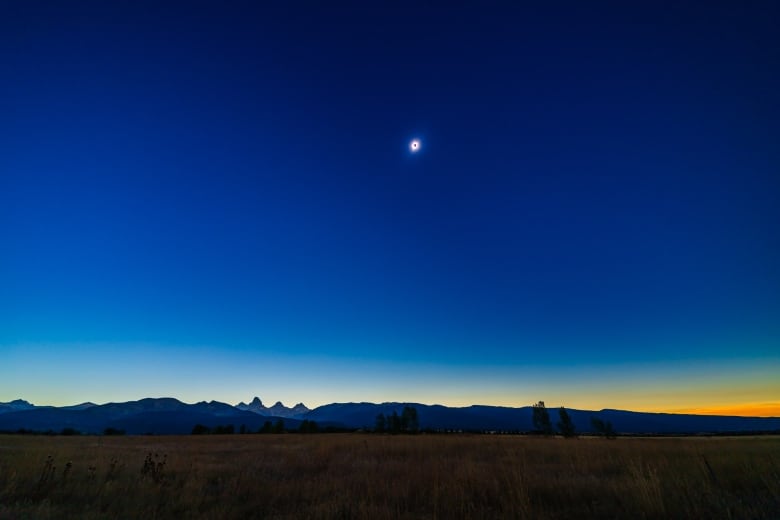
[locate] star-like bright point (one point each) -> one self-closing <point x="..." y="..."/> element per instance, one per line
<point x="414" y="146"/>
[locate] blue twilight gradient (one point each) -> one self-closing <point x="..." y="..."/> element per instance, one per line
<point x="217" y="199"/>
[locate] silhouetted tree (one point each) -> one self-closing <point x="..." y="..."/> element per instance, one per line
<point x="279" y="426"/>
<point x="308" y="426"/>
<point x="113" y="431"/>
<point x="541" y="419"/>
<point x="381" y="423"/>
<point x="242" y="429"/>
<point x="394" y="423"/>
<point x="228" y="429"/>
<point x="199" y="429"/>
<point x="409" y="420"/>
<point x="268" y="427"/>
<point x="565" y="425"/>
<point x="70" y="431"/>
<point x="603" y="428"/>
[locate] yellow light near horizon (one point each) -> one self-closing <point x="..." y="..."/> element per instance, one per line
<point x="744" y="410"/>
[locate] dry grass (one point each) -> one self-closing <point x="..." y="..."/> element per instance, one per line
<point x="371" y="476"/>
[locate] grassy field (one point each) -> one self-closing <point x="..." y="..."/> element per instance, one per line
<point x="374" y="476"/>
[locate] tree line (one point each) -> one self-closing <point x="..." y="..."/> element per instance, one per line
<point x="278" y="426"/>
<point x="407" y="422"/>
<point x="543" y="424"/>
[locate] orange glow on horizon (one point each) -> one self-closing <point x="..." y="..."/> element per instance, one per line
<point x="744" y="410"/>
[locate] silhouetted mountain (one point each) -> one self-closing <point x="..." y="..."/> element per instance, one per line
<point x="82" y="406"/>
<point x="357" y="415"/>
<point x="277" y="410"/>
<point x="162" y="416"/>
<point x="20" y="404"/>
<point x="255" y="406"/>
<point x="15" y="406"/>
<point x="641" y="422"/>
<point x="168" y="415"/>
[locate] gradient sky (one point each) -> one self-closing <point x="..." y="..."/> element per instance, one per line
<point x="216" y="200"/>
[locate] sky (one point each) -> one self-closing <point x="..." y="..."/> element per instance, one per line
<point x="217" y="200"/>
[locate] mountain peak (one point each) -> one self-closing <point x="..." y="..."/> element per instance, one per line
<point x="277" y="410"/>
<point x="17" y="404"/>
<point x="81" y="406"/>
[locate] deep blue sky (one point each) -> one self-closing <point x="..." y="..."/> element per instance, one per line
<point x="216" y="199"/>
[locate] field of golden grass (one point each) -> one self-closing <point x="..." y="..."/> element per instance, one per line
<point x="377" y="477"/>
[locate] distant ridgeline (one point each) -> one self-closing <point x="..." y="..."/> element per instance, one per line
<point x="171" y="416"/>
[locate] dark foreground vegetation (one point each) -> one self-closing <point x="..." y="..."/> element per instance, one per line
<point x="386" y="476"/>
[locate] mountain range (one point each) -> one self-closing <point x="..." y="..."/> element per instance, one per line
<point x="171" y="416"/>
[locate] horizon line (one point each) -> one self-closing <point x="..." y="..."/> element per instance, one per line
<point x="770" y="409"/>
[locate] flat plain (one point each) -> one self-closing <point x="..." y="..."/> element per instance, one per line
<point x="383" y="476"/>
